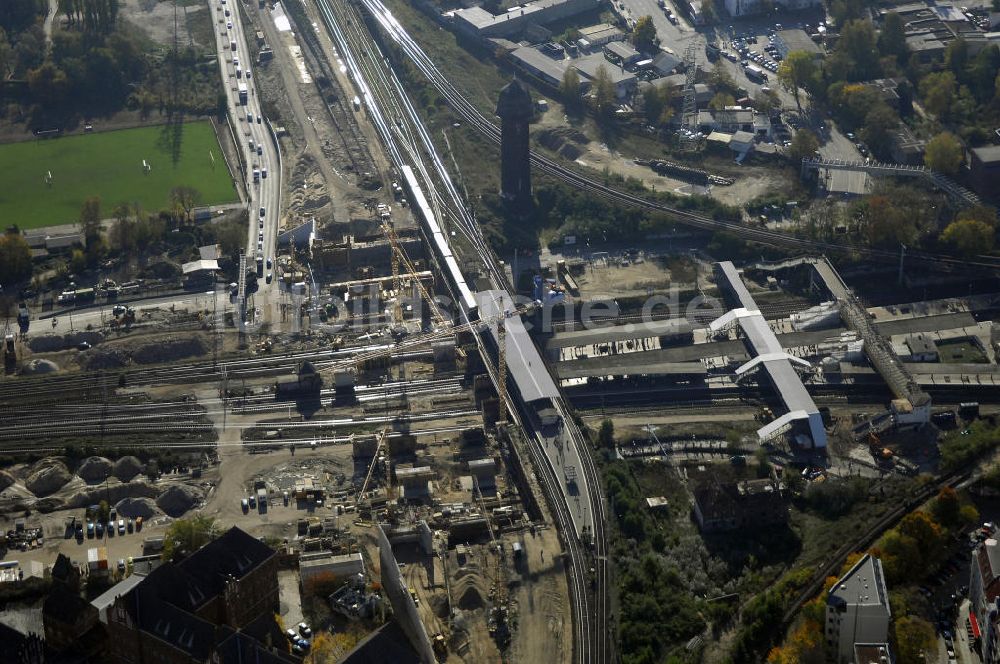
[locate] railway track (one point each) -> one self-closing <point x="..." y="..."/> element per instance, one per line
<point x="408" y="142"/>
<point x="471" y="114"/>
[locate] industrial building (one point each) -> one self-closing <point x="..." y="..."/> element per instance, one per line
<point x="857" y="610"/>
<point x="324" y="563"/>
<point x="787" y="41"/>
<point x="984" y="590"/>
<point x="478" y="22"/>
<point x="770" y="360"/>
<point x="729" y="506"/>
<point x="984" y="169"/>
<point x="750" y="7"/>
<point x="594" y="36"/>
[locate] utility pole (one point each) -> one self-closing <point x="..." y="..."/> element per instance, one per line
<point x="902" y="255"/>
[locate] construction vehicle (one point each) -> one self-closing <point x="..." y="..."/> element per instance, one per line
<point x="9" y="353"/>
<point x="882" y="455"/>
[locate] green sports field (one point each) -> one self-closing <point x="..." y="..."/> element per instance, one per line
<point x="109" y="165"/>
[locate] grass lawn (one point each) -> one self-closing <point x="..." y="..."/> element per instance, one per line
<point x="109" y="165"/>
<point x="960" y="351"/>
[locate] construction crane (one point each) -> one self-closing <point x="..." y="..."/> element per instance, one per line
<point x="382" y="438"/>
<point x="502" y="369"/>
<point x="399" y="255"/>
<point x="498" y="625"/>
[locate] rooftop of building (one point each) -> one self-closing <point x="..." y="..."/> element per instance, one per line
<point x="540" y="62"/>
<point x="798" y="40"/>
<point x="872" y="653"/>
<point x="605" y="334"/>
<point x="621" y="49"/>
<point x="525" y="364"/>
<point x="599" y="31"/>
<point x="988" y="154"/>
<point x="862" y="585"/>
<point x="589" y="65"/>
<point x="920" y="343"/>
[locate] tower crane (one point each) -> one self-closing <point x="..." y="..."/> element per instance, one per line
<point x="382" y="438"/>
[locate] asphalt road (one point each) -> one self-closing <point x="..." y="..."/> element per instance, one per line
<point x="251" y="130"/>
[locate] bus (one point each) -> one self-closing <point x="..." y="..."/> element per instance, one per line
<point x="242" y="87"/>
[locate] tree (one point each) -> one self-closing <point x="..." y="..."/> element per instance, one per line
<point x="90" y="217"/>
<point x="604" y="95"/>
<point x="15" y="259"/>
<point x="922" y="527"/>
<point x="644" y="34"/>
<point x="983" y="213"/>
<point x="879" y="124"/>
<point x="48" y="85"/>
<point x="915" y="640"/>
<point x="6" y="56"/>
<point x="185" y="536"/>
<point x="969" y="237"/>
<point x="937" y="90"/>
<point x="797" y="71"/>
<point x="767" y="101"/>
<point x="606" y="434"/>
<point x="947" y="507"/>
<point x="569" y="89"/>
<point x="856" y="48"/>
<point x="721" y="80"/>
<point x="657" y="104"/>
<point x="804" y="145"/>
<point x="892" y="38"/>
<point x="721" y="100"/>
<point x="944" y="153"/>
<point x="185" y="199"/>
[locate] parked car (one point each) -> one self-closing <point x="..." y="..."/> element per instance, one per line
<point x="99" y="530"/>
<point x="138" y="523"/>
<point x="245" y="506"/>
<point x="121" y="526"/>
<point x="304" y="630"/>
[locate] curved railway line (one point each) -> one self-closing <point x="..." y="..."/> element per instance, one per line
<point x="550" y="167"/>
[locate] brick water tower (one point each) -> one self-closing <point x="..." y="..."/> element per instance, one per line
<point x="515" y="110"/>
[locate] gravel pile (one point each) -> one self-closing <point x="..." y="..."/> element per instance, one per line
<point x="95" y="470"/>
<point x="47" y="476"/>
<point x="127" y="468"/>
<point x="39" y="367"/>
<point x="133" y="507"/>
<point x="177" y="500"/>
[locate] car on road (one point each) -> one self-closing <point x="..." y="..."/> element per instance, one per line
<point x="258" y="116"/>
<point x="262" y="212"/>
<point x="83" y="345"/>
<point x="263" y="173"/>
<point x="269" y="267"/>
<point x="229" y="24"/>
<point x="261" y="224"/>
<point x="268" y="278"/>
<point x="260" y="150"/>
<point x="249" y="117"/>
